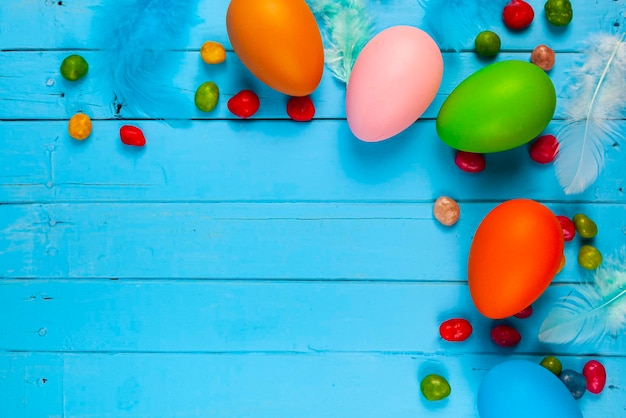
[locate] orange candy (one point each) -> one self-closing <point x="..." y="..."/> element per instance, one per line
<point x="79" y="126"/>
<point x="279" y="41"/>
<point x="516" y="252"/>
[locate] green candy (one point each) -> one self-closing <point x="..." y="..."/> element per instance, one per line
<point x="558" y="12"/>
<point x="553" y="364"/>
<point x="207" y="96"/>
<point x="435" y="387"/>
<point x="501" y="106"/>
<point x="585" y="227"/>
<point x="589" y="257"/>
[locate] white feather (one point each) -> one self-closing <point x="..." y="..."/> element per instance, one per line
<point x="595" y="101"/>
<point x="593" y="311"/>
<point x="454" y="24"/>
<point x="348" y="28"/>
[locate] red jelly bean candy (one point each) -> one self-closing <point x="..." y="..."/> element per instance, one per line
<point x="568" y="227"/>
<point x="505" y="336"/>
<point x="524" y="313"/>
<point x="517" y="14"/>
<point x="544" y="149"/>
<point x="470" y="161"/>
<point x="131" y="135"/>
<point x="455" y="329"/>
<point x="301" y="109"/>
<point x="244" y="104"/>
<point x="595" y="373"/>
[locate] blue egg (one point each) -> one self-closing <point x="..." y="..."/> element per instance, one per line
<point x="521" y="389"/>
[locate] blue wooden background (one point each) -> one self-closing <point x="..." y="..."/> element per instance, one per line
<point x="259" y="268"/>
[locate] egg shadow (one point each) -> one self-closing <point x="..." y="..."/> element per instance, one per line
<point x="375" y="162"/>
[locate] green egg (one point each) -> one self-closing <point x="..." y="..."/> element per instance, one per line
<point x="435" y="387"/>
<point x="501" y="106"/>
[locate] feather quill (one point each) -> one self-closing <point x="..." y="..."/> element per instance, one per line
<point x="595" y="99"/>
<point x="138" y="33"/>
<point x="348" y="27"/>
<point x="454" y="24"/>
<point x="593" y="311"/>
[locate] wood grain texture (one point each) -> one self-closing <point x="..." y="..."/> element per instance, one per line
<point x="258" y="268"/>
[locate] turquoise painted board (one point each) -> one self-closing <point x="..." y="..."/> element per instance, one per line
<point x="263" y="267"/>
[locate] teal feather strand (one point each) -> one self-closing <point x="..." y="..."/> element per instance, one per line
<point x="454" y="24"/>
<point x="138" y="35"/>
<point x="594" y="101"/>
<point x="593" y="311"/>
<point x="348" y="27"/>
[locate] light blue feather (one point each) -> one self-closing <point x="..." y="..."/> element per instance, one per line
<point x="454" y="24"/>
<point x="595" y="101"/>
<point x="138" y="33"/>
<point x="348" y="27"/>
<point x="593" y="311"/>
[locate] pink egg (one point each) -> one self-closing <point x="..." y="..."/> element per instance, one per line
<point x="394" y="80"/>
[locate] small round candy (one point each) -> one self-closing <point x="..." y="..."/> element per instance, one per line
<point x="595" y="373"/>
<point x="435" y="387"/>
<point x="575" y="382"/>
<point x="558" y="12"/>
<point x="589" y="257"/>
<point x="543" y="57"/>
<point x="544" y="149"/>
<point x="585" y="227"/>
<point x="470" y="162"/>
<point x="79" y="126"/>
<point x="207" y="96"/>
<point x="524" y="313"/>
<point x="487" y="43"/>
<point x="446" y="210"/>
<point x="505" y="336"/>
<point x="553" y="364"/>
<point x="455" y="329"/>
<point x="212" y="52"/>
<point x="568" y="227"/>
<point x="517" y="15"/>
<point x="74" y="67"/>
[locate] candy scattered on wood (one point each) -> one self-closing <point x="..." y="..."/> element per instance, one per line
<point x="131" y="135"/>
<point x="543" y="57"/>
<point x="595" y="374"/>
<point x="455" y="329"/>
<point x="79" y="126"/>
<point x="524" y="313"/>
<point x="213" y="52"/>
<point x="446" y="210"/>
<point x="505" y="336"/>
<point x="244" y="104"/>
<point x="568" y="227"/>
<point x="553" y="364"/>
<point x="517" y="15"/>
<point x="470" y="162"/>
<point x="301" y="109"/>
<point x="544" y="149"/>
<point x="435" y="387"/>
<point x="575" y="382"/>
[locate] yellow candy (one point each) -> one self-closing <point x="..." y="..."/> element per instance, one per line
<point x="213" y="52"/>
<point x="79" y="126"/>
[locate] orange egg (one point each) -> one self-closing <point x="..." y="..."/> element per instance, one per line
<point x="515" y="254"/>
<point x="279" y="41"/>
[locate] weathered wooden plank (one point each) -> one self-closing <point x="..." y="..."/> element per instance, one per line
<point x="270" y="241"/>
<point x="299" y="317"/>
<point x="265" y="161"/>
<point x="87" y="24"/>
<point x="259" y="385"/>
<point x="32" y="87"/>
